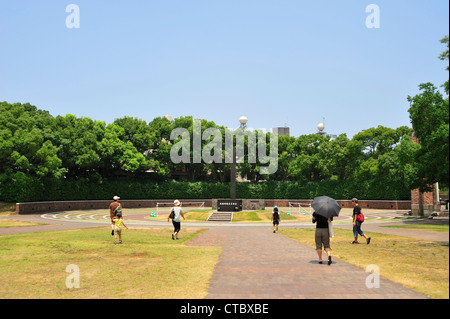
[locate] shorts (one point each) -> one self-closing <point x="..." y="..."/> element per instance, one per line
<point x="117" y="231"/>
<point x="357" y="229"/>
<point x="322" y="238"/>
<point x="276" y="222"/>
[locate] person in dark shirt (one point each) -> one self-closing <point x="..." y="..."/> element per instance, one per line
<point x="322" y="236"/>
<point x="357" y="224"/>
<point x="275" y="219"/>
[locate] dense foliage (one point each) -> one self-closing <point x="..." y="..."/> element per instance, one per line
<point x="429" y="114"/>
<point x="64" y="157"/>
<point x="24" y="188"/>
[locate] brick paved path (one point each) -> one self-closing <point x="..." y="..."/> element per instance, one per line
<point x="255" y="263"/>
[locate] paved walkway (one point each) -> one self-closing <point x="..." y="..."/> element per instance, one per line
<point x="257" y="264"/>
<point x="50" y="225"/>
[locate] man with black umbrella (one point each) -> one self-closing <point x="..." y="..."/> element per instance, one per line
<point x="322" y="236"/>
<point x="325" y="208"/>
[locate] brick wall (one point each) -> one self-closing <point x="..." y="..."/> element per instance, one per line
<point x="372" y="204"/>
<point x="426" y="198"/>
<point x="50" y="207"/>
<point x="422" y="204"/>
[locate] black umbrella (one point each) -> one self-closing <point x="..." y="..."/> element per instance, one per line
<point x="326" y="206"/>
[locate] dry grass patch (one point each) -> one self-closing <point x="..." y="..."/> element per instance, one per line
<point x="8" y="223"/>
<point x="266" y="216"/>
<point x="149" y="264"/>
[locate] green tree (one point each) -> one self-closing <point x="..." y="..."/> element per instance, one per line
<point x="379" y="158"/>
<point x="338" y="159"/>
<point x="137" y="132"/>
<point x="445" y="54"/>
<point x="285" y="156"/>
<point x="429" y="114"/>
<point x="77" y="139"/>
<point x="308" y="163"/>
<point x="23" y="144"/>
<point x="407" y="165"/>
<point x="117" y="155"/>
<point x="158" y="155"/>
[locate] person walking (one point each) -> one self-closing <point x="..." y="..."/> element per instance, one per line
<point x="357" y="223"/>
<point x="114" y="208"/>
<point x="176" y="214"/>
<point x="275" y="219"/>
<point x="118" y="223"/>
<point x="322" y="236"/>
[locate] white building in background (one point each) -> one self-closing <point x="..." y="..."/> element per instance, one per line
<point x="281" y="130"/>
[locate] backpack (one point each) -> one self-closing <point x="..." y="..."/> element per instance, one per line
<point x="360" y="217"/>
<point x="118" y="210"/>
<point x="276" y="215"/>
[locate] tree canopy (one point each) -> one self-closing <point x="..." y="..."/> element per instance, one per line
<point x="35" y="143"/>
<point x="429" y="114"/>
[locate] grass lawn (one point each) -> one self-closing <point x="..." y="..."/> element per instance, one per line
<point x="266" y="216"/>
<point x="191" y="215"/>
<point x="197" y="214"/>
<point x="7" y="223"/>
<point x="417" y="264"/>
<point x="430" y="227"/>
<point x="149" y="264"/>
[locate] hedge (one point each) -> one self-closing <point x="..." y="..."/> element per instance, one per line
<point x="23" y="188"/>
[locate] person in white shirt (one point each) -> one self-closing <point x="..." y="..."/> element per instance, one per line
<point x="175" y="215"/>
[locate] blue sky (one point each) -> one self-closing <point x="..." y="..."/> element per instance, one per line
<point x="285" y="62"/>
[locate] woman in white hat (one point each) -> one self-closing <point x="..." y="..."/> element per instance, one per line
<point x="175" y="215"/>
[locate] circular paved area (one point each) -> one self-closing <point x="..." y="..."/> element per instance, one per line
<point x="142" y="217"/>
